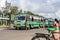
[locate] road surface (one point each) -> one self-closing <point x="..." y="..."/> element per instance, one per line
<point x="20" y="34"/>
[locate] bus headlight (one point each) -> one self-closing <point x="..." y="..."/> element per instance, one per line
<point x="24" y="21"/>
<point x="15" y="21"/>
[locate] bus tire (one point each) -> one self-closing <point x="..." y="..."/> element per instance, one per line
<point x="15" y="28"/>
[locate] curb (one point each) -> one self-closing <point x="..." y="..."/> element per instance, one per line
<point x="2" y="28"/>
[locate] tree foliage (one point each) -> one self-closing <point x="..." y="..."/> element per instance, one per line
<point x="29" y="13"/>
<point x="0" y="12"/>
<point x="14" y="10"/>
<point x="20" y="11"/>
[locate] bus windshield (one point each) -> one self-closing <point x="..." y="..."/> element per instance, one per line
<point x="21" y="18"/>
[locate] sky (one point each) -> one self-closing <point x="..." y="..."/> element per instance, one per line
<point x="46" y="8"/>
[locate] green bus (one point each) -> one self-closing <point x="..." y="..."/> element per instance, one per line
<point x="29" y="21"/>
<point x="48" y="23"/>
<point x="26" y="21"/>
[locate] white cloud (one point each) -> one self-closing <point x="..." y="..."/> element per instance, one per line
<point x="22" y="4"/>
<point x="48" y="2"/>
<point x="48" y="15"/>
<point x="10" y="1"/>
<point x="27" y="5"/>
<point x="2" y="3"/>
<point x="43" y="14"/>
<point x="35" y="7"/>
<point x="58" y="13"/>
<point x="45" y="8"/>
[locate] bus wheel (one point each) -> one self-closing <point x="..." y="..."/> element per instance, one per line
<point x="17" y="28"/>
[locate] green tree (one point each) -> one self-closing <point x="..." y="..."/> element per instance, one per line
<point x="1" y="14"/>
<point x="14" y="10"/>
<point x="29" y="13"/>
<point x="20" y="11"/>
<point x="25" y="12"/>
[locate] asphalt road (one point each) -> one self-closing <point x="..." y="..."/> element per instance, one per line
<point x="20" y="34"/>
